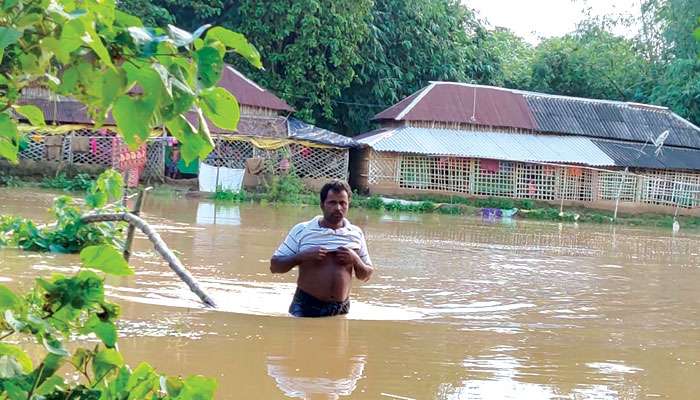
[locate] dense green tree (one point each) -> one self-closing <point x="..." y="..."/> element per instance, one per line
<point x="410" y="45"/>
<point x="311" y="47"/>
<point x="515" y="57"/>
<point x="591" y="63"/>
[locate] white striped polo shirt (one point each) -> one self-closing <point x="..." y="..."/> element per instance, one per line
<point x="311" y="234"/>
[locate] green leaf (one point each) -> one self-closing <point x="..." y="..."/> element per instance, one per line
<point x="198" y="387"/>
<point x="71" y="39"/>
<point x="9" y="138"/>
<point x="18" y="354"/>
<point x="192" y="143"/>
<point x="113" y="85"/>
<point x="32" y="113"/>
<point x="126" y="20"/>
<point x="105" y="9"/>
<point x="8" y="300"/>
<point x="697" y="34"/>
<point x="209" y="66"/>
<point x="54" y="347"/>
<point x="221" y="107"/>
<point x="105" y="361"/>
<point x="111" y="183"/>
<point x="237" y="42"/>
<point x="7" y="4"/>
<point x="95" y="42"/>
<point x="133" y="116"/>
<point x="52" y="384"/>
<point x="8" y="36"/>
<point x="105" y="258"/>
<point x="106" y="331"/>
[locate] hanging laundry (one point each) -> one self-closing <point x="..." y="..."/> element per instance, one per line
<point x="575" y="171"/>
<point x="492" y="166"/>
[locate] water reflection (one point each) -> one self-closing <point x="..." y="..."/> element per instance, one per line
<point x="218" y="214"/>
<point x="318" y="366"/>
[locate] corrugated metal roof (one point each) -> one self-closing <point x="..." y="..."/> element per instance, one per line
<point x="455" y="102"/>
<point x="247" y="92"/>
<point x="610" y="120"/>
<point x="493" y="145"/>
<point x="301" y="130"/>
<point x="639" y="156"/>
<point x="540" y="112"/>
<point x="250" y="93"/>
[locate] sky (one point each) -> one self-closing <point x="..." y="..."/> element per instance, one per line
<point x="536" y="19"/>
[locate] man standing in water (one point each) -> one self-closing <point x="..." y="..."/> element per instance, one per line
<point x="327" y="250"/>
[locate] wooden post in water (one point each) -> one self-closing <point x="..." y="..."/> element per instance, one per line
<point x="132" y="229"/>
<point x="619" y="192"/>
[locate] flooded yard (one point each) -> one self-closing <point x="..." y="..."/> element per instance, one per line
<point x="459" y="308"/>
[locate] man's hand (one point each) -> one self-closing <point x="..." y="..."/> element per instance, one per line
<point x="314" y="254"/>
<point x="346" y="256"/>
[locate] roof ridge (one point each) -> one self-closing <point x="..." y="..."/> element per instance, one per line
<point x="542" y="94"/>
<point x="415" y="101"/>
<point x="245" y="78"/>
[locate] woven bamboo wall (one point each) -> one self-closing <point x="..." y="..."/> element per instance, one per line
<point x="498" y="178"/>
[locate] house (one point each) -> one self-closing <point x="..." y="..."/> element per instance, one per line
<point x="266" y="132"/>
<point x="480" y="141"/>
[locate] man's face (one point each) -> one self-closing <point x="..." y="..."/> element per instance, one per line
<point x="335" y="208"/>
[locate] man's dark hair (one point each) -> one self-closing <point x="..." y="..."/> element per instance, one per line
<point x="336" y="186"/>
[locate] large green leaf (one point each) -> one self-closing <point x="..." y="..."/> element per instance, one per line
<point x="237" y="42"/>
<point x="126" y="20"/>
<point x="194" y="146"/>
<point x="32" y="113"/>
<point x="105" y="258"/>
<point x="105" y="361"/>
<point x="133" y="116"/>
<point x="198" y="388"/>
<point x="105" y="330"/>
<point x="9" y="138"/>
<point x="52" y="384"/>
<point x="8" y="299"/>
<point x="221" y="107"/>
<point x="105" y="10"/>
<point x="209" y="66"/>
<point x="8" y="36"/>
<point x="95" y="42"/>
<point x="22" y="358"/>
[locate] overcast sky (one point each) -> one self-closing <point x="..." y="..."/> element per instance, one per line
<point x="534" y="19"/>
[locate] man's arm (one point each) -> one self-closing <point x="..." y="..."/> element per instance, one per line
<point x="363" y="271"/>
<point x="283" y="264"/>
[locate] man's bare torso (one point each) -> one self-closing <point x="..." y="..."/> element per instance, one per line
<point x="327" y="280"/>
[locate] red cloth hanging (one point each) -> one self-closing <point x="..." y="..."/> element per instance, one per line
<point x="492" y="166"/>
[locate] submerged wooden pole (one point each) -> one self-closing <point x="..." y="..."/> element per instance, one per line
<point x="160" y="247"/>
<point x="132" y="228"/>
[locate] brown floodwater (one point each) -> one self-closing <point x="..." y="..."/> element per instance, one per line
<point x="459" y="308"/>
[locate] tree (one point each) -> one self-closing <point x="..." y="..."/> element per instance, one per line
<point x="514" y="56"/>
<point x="410" y="45"/>
<point x="591" y="63"/>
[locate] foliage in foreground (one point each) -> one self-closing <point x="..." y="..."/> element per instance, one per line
<point x="104" y="58"/>
<point x="69" y="234"/>
<point x="62" y="308"/>
<point x="53" y="313"/>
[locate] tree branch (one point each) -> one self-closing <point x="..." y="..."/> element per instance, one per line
<point x="159" y="246"/>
